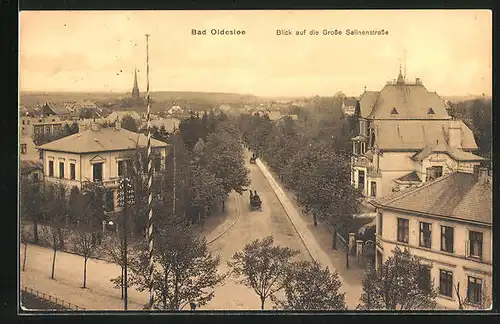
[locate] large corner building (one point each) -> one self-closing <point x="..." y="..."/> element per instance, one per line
<point x="406" y="137"/>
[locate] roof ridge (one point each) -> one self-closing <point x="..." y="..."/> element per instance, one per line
<point x="429" y="183"/>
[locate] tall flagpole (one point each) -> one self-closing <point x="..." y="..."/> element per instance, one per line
<point x="150" y="181"/>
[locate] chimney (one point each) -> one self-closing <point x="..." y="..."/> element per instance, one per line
<point x="481" y="174"/>
<point x="455" y="134"/>
<point x="418" y="81"/>
<point x="118" y="125"/>
<point x="95" y="126"/>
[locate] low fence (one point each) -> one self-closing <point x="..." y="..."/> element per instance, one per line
<point x="52" y="299"/>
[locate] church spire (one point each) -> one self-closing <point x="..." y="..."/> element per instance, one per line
<point x="401" y="79"/>
<point x="135" y="90"/>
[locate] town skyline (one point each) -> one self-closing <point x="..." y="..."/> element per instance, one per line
<point x="55" y="59"/>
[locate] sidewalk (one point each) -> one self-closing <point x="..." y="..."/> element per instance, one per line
<point x="215" y="226"/>
<point x="318" y="241"/>
<point x="100" y="295"/>
<point x="67" y="285"/>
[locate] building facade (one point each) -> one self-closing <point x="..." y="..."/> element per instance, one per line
<point x="447" y="223"/>
<point x="97" y="155"/>
<point x="406" y="138"/>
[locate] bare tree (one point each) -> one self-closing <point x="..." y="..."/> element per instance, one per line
<point x="464" y="303"/>
<point x="85" y="244"/>
<point x="311" y="287"/>
<point x="263" y="267"/>
<point x="114" y="248"/>
<point x="85" y="240"/>
<point x="57" y="210"/>
<point x="24" y="237"/>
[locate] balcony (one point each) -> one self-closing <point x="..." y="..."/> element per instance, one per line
<point x="360" y="161"/>
<point x="109" y="183"/>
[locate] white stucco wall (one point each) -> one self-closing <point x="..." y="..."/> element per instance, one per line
<point x="458" y="263"/>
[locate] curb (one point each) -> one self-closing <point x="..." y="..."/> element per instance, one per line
<point x="260" y="164"/>
<point x="230" y="226"/>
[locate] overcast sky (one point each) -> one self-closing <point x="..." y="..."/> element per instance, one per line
<point x="98" y="51"/>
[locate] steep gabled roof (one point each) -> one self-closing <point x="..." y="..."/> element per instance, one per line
<point x="101" y="140"/>
<point x="417" y="134"/>
<point x="456" y="195"/>
<point x="366" y="102"/>
<point x="412" y="101"/>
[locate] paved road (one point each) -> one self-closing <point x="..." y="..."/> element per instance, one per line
<point x="249" y="226"/>
<point x="252" y="225"/>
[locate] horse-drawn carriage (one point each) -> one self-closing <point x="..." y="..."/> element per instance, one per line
<point x="255" y="202"/>
<point x="253" y="158"/>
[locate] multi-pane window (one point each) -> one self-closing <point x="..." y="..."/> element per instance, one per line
<point x="61" y="170"/>
<point x="474" y="290"/>
<point x="380" y="223"/>
<point x="72" y="171"/>
<point x="97" y="172"/>
<point x="403" y="230"/>
<point x="51" y="168"/>
<point x="476" y="244"/>
<point x="445" y="283"/>
<point x="447" y="239"/>
<point x="425" y="235"/>
<point x="121" y="168"/>
<point x="23" y="149"/>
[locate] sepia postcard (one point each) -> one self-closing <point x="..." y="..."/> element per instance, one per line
<point x="248" y="160"/>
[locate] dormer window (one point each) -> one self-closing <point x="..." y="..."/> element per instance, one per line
<point x="430" y="111"/>
<point x="394" y="111"/>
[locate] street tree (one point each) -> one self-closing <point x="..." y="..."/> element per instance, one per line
<point x="85" y="244"/>
<point x="191" y="130"/>
<point x="185" y="271"/>
<point x="57" y="211"/>
<point x="86" y="238"/>
<point x="113" y="247"/>
<point x="263" y="267"/>
<point x="207" y="191"/>
<point x="399" y="284"/>
<point x="31" y="203"/>
<point x="223" y="156"/>
<point x="129" y="123"/>
<point x="311" y="287"/>
<point x="24" y="236"/>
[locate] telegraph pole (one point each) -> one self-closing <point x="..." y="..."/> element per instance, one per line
<point x="150" y="181"/>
